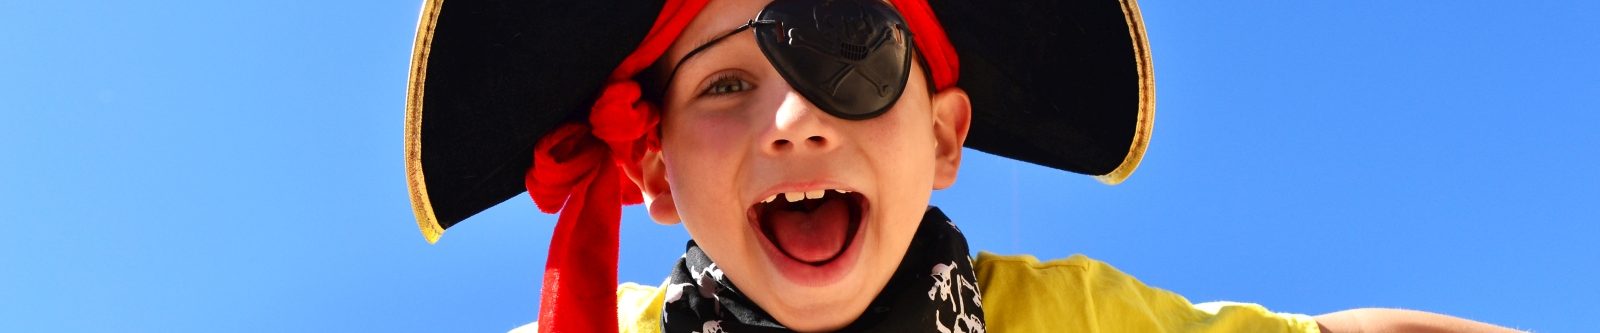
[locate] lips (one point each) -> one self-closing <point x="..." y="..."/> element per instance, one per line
<point x="813" y="227"/>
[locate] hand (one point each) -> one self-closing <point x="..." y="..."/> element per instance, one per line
<point x="1374" y="320"/>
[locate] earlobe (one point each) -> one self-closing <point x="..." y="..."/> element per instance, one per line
<point x="952" y="117"/>
<point x="657" y="193"/>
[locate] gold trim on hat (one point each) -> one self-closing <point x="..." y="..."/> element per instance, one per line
<point x="420" y="206"/>
<point x="1147" y="97"/>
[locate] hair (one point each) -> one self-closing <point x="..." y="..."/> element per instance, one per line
<point x="653" y="83"/>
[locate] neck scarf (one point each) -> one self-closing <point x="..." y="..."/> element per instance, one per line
<point x="933" y="290"/>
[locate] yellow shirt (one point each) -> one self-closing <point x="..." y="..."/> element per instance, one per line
<point x="1076" y="294"/>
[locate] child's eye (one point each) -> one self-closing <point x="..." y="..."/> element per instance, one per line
<point x="727" y="84"/>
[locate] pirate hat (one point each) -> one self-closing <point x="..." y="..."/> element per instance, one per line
<point x="1063" y="84"/>
<point x="499" y="91"/>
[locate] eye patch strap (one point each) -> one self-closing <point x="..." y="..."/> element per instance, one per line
<point x="711" y="42"/>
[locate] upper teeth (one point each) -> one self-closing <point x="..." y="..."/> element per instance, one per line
<point x="797" y="196"/>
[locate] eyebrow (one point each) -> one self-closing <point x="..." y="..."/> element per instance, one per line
<point x="705" y="45"/>
<point x="702" y="43"/>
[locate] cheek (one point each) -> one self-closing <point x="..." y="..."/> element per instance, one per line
<point x="701" y="154"/>
<point x="902" y="153"/>
<point x="693" y="142"/>
<point x="902" y="140"/>
<point x="703" y="132"/>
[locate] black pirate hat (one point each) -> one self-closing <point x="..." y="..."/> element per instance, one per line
<point x="1064" y="84"/>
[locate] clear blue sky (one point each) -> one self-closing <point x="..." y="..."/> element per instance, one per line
<point x="202" y="166"/>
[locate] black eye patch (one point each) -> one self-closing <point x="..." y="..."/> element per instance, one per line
<point x="851" y="58"/>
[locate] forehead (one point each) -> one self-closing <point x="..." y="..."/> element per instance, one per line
<point x="718" y="17"/>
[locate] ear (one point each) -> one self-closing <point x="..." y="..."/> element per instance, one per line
<point x="952" y="116"/>
<point x="652" y="183"/>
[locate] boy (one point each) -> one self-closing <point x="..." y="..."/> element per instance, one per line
<point x="798" y="143"/>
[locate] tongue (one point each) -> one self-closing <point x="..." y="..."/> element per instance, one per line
<point x="814" y="236"/>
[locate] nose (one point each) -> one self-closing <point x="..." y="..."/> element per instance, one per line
<point x="798" y="127"/>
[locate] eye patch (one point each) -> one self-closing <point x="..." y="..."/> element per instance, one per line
<point x="851" y="58"/>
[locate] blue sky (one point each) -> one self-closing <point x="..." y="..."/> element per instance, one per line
<point x="198" y="166"/>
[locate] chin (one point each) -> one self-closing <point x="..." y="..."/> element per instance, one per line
<point x="820" y="309"/>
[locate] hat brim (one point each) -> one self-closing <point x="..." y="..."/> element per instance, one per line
<point x="1063" y="84"/>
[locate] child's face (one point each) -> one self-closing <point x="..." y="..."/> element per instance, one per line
<point x="734" y="134"/>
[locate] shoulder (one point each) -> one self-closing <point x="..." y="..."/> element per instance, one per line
<point x="1024" y="264"/>
<point x="638" y="310"/>
<point x="1023" y="294"/>
<point x="639" y="307"/>
<point x="1067" y="279"/>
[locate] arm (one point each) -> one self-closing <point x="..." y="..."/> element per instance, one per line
<point x="1374" y="320"/>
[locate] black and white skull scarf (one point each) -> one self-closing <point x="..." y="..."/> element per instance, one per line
<point x="933" y="290"/>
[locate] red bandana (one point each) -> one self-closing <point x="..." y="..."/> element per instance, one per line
<point x="582" y="172"/>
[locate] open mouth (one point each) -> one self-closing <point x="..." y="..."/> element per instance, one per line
<point x="813" y="227"/>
